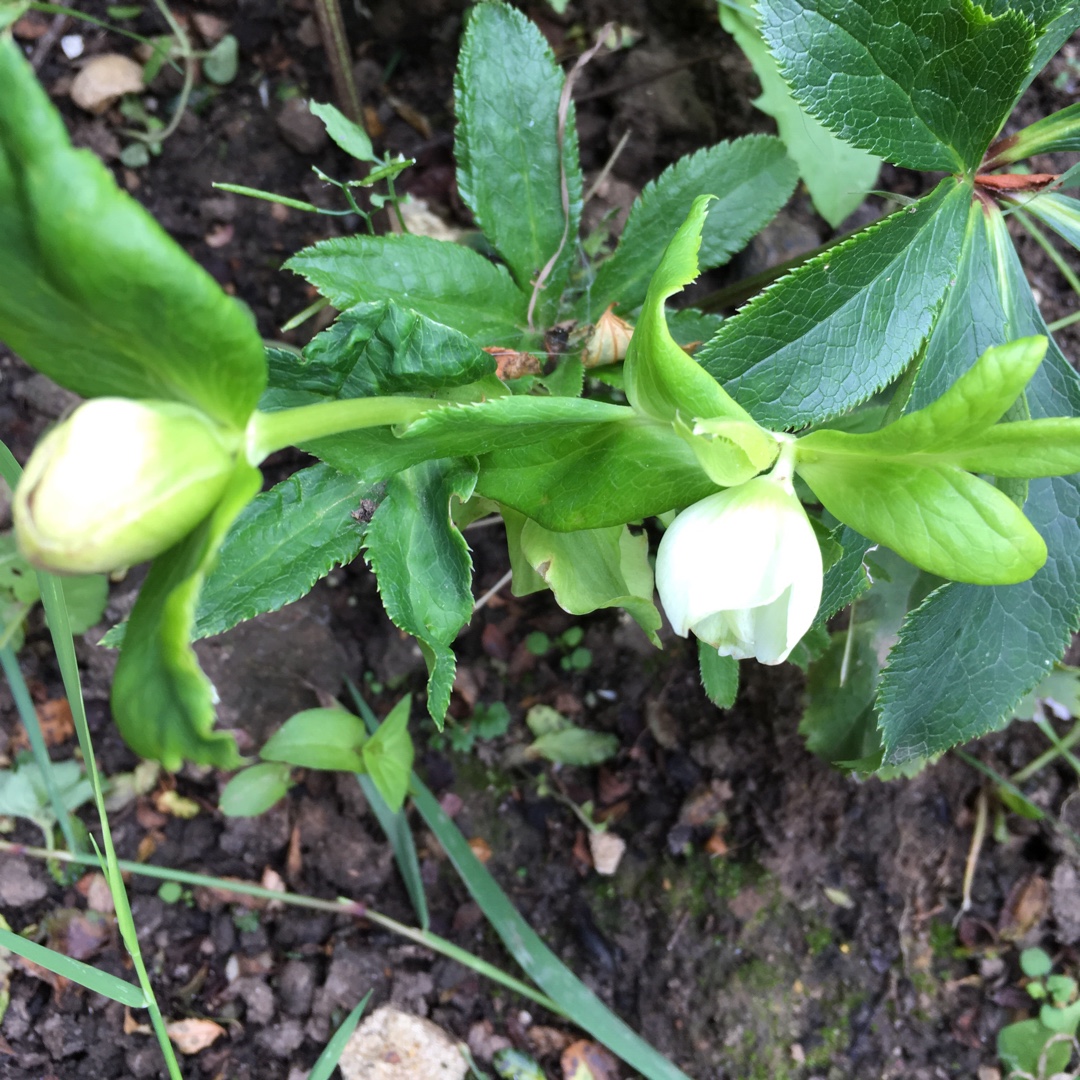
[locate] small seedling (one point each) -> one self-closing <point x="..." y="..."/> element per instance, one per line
<point x="1042" y="1046"/>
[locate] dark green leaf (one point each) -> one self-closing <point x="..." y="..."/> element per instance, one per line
<point x="719" y="676"/>
<point x="924" y="85"/>
<point x="423" y="566"/>
<point x="846" y="579"/>
<point x="373" y="350"/>
<point x="510" y="171"/>
<point x="1053" y="134"/>
<point x="254" y="790"/>
<point x="283" y="541"/>
<point x="100" y="982"/>
<point x="751" y="178"/>
<point x="847" y="322"/>
<point x="837" y="175"/>
<point x="93" y="293"/>
<point x="388" y="755"/>
<point x="352" y="138"/>
<point x="1060" y="212"/>
<point x="445" y="282"/>
<point x="161" y="700"/>
<point x="319" y="739"/>
<point x="968" y="655"/>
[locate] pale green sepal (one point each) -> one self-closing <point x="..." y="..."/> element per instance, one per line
<point x="161" y="700"/>
<point x="526" y="580"/>
<point x="977" y="400"/>
<point x="595" y="568"/>
<point x="730" y="451"/>
<point x="660" y="378"/>
<point x="938" y="517"/>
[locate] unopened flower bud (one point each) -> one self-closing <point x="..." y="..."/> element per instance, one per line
<point x="742" y="569"/>
<point x="119" y="482"/>
<point x="608" y="342"/>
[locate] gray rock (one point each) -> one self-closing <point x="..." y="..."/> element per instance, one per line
<point x="296" y="987"/>
<point x="19" y="888"/>
<point x="257" y="996"/>
<point x="304" y="132"/>
<point x="1065" y="902"/>
<point x="62" y="1037"/>
<point x="281" y="1039"/>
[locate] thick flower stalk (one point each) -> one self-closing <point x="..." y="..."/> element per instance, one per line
<point x="742" y="568"/>
<point x="119" y="482"/>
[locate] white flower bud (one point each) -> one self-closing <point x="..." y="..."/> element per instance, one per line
<point x="119" y="482"/>
<point x="742" y="569"/>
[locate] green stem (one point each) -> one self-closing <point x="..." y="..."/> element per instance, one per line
<point x="1055" y="256"/>
<point x="1058" y="748"/>
<point x="270" y="431"/>
<point x="337" y="907"/>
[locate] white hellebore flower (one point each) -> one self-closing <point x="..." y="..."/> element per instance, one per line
<point x="742" y="569"/>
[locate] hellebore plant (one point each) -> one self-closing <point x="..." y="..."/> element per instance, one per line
<point x="900" y="384"/>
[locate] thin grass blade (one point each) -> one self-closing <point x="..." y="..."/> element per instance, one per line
<point x="333" y="1050"/>
<point x="101" y="982"/>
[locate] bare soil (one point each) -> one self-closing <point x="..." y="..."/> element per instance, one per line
<point x="771" y="917"/>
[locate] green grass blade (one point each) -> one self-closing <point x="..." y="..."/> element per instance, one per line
<point x="572" y="996"/>
<point x="101" y="982"/>
<point x="333" y="1050"/>
<point x="396" y="827"/>
<point x="28" y="714"/>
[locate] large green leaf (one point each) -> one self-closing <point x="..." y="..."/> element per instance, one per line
<point x="93" y="293"/>
<point x="510" y="170"/>
<point x="967" y="655"/>
<point x="423" y="566"/>
<point x="847" y="322"/>
<point x="161" y="700"/>
<point x="330" y="738"/>
<point x="283" y="541"/>
<point x="1060" y="212"/>
<point x="596" y="477"/>
<point x="924" y="85"/>
<point x="377" y="349"/>
<point x="445" y="282"/>
<point x="1055" y="21"/>
<point x="836" y="174"/>
<point x="751" y="178"/>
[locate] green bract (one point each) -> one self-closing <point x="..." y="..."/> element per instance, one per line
<point x="119" y="482"/>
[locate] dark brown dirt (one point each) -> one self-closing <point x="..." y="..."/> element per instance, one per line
<point x="771" y="918"/>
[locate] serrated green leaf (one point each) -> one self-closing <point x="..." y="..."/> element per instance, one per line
<point x="593" y="569"/>
<point x="846" y="579"/>
<point x="968" y="655"/>
<point x="926" y="85"/>
<point x="751" y="178"/>
<point x="330" y="738"/>
<point x="846" y="323"/>
<point x="1060" y="212"/>
<point x="373" y="350"/>
<point x="719" y="676"/>
<point x="254" y="790"/>
<point x="444" y="282"/>
<point x="100" y="982"/>
<point x="1055" y="21"/>
<point x="352" y="138"/>
<point x="93" y="293"/>
<point x="161" y="700"/>
<point x="284" y="541"/>
<point x="423" y="565"/>
<point x="836" y="174"/>
<point x="575" y="746"/>
<point x="388" y="755"/>
<point x="597" y="476"/>
<point x="661" y="381"/>
<point x="510" y="171"/>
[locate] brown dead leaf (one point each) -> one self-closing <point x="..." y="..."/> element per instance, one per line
<point x="105" y="79"/>
<point x="547" y="1041"/>
<point x="1025" y="908"/>
<point x="586" y="1060"/>
<point x="413" y="117"/>
<point x="581" y="854"/>
<point x="511" y="364"/>
<point x="480" y="848"/>
<point x="78" y="934"/>
<point x="191" y="1036"/>
<point x="54" y="716"/>
<point x="294" y="859"/>
<point x="210" y="27"/>
<point x="30" y="27"/>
